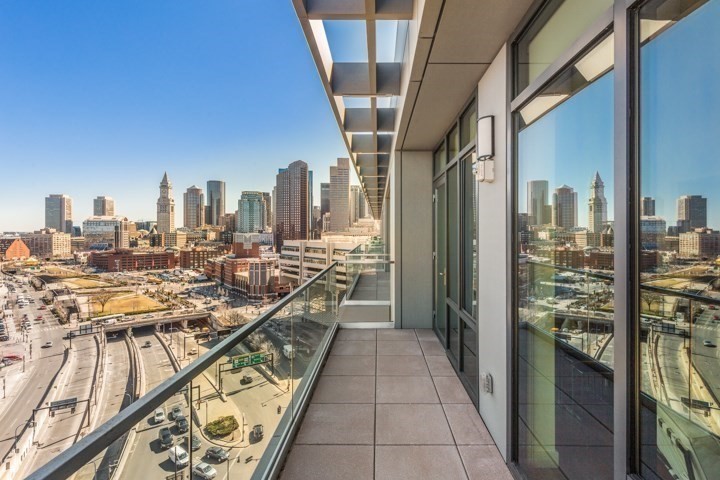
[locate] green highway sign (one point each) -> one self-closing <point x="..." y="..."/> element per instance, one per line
<point x="250" y="359"/>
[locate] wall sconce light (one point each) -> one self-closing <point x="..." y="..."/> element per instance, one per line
<point x="485" y="149"/>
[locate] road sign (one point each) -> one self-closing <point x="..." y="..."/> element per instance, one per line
<point x="250" y="359"/>
<point x="62" y="404"/>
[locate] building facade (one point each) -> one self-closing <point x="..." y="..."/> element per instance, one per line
<point x="48" y="243"/>
<point x="165" y="207"/>
<point x="193" y="208"/>
<point x="129" y="260"/>
<point x="13" y="248"/>
<point x="58" y="213"/>
<point x="252" y="212"/>
<point x="291" y="203"/>
<point x="106" y="232"/>
<point x="691" y="213"/>
<point x="564" y="207"/>
<point x="215" y="201"/>
<point x="340" y="195"/>
<point x="103" y="206"/>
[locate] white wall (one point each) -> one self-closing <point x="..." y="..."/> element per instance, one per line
<point x="493" y="248"/>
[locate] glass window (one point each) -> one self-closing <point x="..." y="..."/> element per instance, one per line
<point x="679" y="241"/>
<point x="453" y="143"/>
<point x="468" y="125"/>
<point x="564" y="280"/>
<point x="469" y="238"/>
<point x="440" y="159"/>
<point x="558" y="25"/>
<point x="453" y="234"/>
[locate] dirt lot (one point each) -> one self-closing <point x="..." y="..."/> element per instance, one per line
<point x="127" y="303"/>
<point x="76" y="283"/>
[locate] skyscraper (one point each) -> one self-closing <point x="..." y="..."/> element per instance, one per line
<point x="58" y="213"/>
<point x="691" y="213"/>
<point x="215" y="201"/>
<point x="310" y="205"/>
<point x="357" y="199"/>
<point x="564" y="207"/>
<point x="647" y="206"/>
<point x="537" y="202"/>
<point x="291" y="203"/>
<point x="268" y="209"/>
<point x="340" y="195"/>
<point x="165" y="207"/>
<point x="104" y="206"/>
<point x="324" y="200"/>
<point x="252" y="212"/>
<point x="597" y="205"/>
<point x="194" y="207"/>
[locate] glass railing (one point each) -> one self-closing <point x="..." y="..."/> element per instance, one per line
<point x="367" y="277"/>
<point x="230" y="413"/>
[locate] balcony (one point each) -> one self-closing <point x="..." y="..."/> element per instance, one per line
<point x="293" y="393"/>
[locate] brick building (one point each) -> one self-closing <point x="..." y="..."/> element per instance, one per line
<point x="13" y="248"/>
<point x="197" y="257"/>
<point x="128" y="260"/>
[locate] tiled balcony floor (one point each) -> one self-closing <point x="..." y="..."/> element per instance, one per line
<point x="388" y="405"/>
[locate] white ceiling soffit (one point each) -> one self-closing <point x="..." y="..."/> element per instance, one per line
<point x="464" y="41"/>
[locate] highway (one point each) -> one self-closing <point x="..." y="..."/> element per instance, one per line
<point x="707" y="359"/>
<point x="146" y="459"/>
<point x="16" y="409"/>
<point x="116" y="394"/>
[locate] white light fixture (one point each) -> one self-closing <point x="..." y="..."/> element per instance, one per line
<point x="485" y="137"/>
<point x="598" y="60"/>
<point x="485" y="149"/>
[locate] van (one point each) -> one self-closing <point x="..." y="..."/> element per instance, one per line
<point x="110" y="321"/>
<point x="178" y="456"/>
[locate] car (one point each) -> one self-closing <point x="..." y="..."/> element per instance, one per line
<point x="176" y="412"/>
<point x="716" y="317"/>
<point x="193" y="351"/>
<point x="258" y="432"/>
<point x="203" y="470"/>
<point x="709" y="343"/>
<point x="47" y="344"/>
<point x="149" y="315"/>
<point x="39" y="317"/>
<point x="159" y="416"/>
<point x="217" y="453"/>
<point x="712" y="307"/>
<point x="167" y="314"/>
<point x="147" y="344"/>
<point x="178" y="456"/>
<point x="182" y="424"/>
<point x="165" y="437"/>
<point x="4" y="338"/>
<point x="42" y="307"/>
<point x="195" y="443"/>
<point x="246" y="379"/>
<point x="70" y="335"/>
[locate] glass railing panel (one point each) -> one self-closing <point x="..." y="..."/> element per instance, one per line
<point x="206" y="408"/>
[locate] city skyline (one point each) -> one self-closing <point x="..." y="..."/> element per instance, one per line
<point x="112" y="123"/>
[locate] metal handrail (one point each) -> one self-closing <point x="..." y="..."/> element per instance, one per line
<point x="75" y="457"/>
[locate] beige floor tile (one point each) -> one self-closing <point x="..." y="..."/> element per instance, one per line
<point x="390" y="334"/>
<point x="355" y="334"/>
<point x="483" y="462"/>
<point x="345" y="389"/>
<point x="451" y="390"/>
<point x="439" y="366"/>
<point x="403" y="365"/>
<point x="417" y="424"/>
<point x="393" y="462"/>
<point x="466" y="425"/>
<point x="329" y="462"/>
<point x="401" y="347"/>
<point x="405" y="390"/>
<point x="333" y="424"/>
<point x="349" y="365"/>
<point x="352" y="347"/>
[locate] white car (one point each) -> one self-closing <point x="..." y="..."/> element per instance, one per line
<point x="204" y="470"/>
<point x="159" y="416"/>
<point x="179" y="456"/>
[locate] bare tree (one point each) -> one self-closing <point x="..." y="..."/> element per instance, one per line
<point x="233" y="318"/>
<point x="650" y="298"/>
<point x="103" y="298"/>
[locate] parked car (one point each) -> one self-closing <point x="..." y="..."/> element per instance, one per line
<point x="182" y="424"/>
<point x="194" y="442"/>
<point x="147" y="344"/>
<point x="159" y="416"/>
<point x="205" y="471"/>
<point x="217" y="453"/>
<point x="176" y="412"/>
<point x="165" y="437"/>
<point x="178" y="456"/>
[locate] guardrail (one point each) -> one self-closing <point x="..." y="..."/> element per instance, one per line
<point x="311" y="309"/>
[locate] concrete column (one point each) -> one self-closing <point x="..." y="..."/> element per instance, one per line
<point x="411" y="239"/>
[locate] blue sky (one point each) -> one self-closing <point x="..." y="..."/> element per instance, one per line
<point x="680" y="126"/>
<point x="101" y="97"/>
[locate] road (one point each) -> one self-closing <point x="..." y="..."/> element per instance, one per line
<point x="60" y="431"/>
<point x="146" y="459"/>
<point x="16" y="409"/>
<point x="707" y="359"/>
<point x="116" y="394"/>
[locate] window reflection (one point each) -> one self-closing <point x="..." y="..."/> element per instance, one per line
<point x="565" y="282"/>
<point x="679" y="218"/>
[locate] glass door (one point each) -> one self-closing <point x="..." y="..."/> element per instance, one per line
<point x="440" y="255"/>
